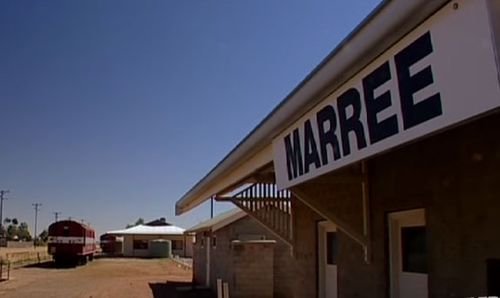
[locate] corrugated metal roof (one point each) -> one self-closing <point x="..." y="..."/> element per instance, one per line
<point x="219" y="221"/>
<point x="149" y="230"/>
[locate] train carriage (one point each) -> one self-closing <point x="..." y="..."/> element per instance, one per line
<point x="111" y="244"/>
<point x="71" y="242"/>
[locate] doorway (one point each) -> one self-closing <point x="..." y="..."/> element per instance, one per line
<point x="327" y="259"/>
<point x="408" y="254"/>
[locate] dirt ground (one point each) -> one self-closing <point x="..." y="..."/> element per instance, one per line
<point x="116" y="277"/>
<point x="10" y="250"/>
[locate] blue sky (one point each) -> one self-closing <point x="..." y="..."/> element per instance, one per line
<point x="112" y="110"/>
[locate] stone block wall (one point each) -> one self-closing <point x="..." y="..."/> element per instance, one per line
<point x="199" y="260"/>
<point x="282" y="261"/>
<point x="252" y="263"/>
<point x="454" y="175"/>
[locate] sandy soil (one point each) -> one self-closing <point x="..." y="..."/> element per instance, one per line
<point x="10" y="250"/>
<point x="102" y="278"/>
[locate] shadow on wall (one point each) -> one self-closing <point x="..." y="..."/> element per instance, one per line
<point x="174" y="289"/>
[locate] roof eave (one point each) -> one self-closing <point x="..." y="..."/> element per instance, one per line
<point x="390" y="21"/>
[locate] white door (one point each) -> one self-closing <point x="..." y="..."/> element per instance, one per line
<point x="327" y="257"/>
<point x="408" y="250"/>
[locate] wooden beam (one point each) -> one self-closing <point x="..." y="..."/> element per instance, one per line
<point x="223" y="199"/>
<point x="327" y="214"/>
<point x="268" y="178"/>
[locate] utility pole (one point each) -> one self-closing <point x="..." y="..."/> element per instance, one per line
<point x="2" y="197"/>
<point x="212" y="207"/>
<point x="37" y="207"/>
<point x="56" y="214"/>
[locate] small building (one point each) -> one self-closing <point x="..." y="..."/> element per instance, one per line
<point x="242" y="252"/>
<point x="388" y="154"/>
<point x="138" y="240"/>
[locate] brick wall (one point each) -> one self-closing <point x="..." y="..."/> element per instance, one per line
<point x="221" y="266"/>
<point x="199" y="260"/>
<point x="248" y="226"/>
<point x="253" y="274"/>
<point x="453" y="175"/>
<point x="303" y="280"/>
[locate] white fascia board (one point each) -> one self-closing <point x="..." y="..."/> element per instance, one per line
<point x="203" y="191"/>
<point x="389" y="22"/>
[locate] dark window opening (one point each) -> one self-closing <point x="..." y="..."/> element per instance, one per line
<point x="331" y="248"/>
<point x="140" y="244"/>
<point x="493" y="277"/>
<point x="66" y="231"/>
<point x="214" y="241"/>
<point x="414" y="249"/>
<point x="177" y="244"/>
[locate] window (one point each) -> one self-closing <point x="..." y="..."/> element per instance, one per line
<point x="413" y="249"/>
<point x="140" y="244"/>
<point x="177" y="244"/>
<point x="66" y="231"/>
<point x="331" y="248"/>
<point x="214" y="241"/>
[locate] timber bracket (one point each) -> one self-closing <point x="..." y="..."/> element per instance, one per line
<point x="362" y="238"/>
<point x="271" y="208"/>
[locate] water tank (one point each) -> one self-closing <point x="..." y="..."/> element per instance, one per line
<point x="160" y="248"/>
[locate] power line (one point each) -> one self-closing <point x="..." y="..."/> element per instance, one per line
<point x="37" y="207"/>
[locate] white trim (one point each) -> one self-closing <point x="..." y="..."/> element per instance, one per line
<point x="66" y="240"/>
<point x="145" y="230"/>
<point x="323" y="227"/>
<point x="237" y="175"/>
<point x="413" y="217"/>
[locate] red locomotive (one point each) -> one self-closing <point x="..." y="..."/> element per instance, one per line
<point x="71" y="242"/>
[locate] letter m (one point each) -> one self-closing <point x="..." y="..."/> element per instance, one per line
<point x="294" y="160"/>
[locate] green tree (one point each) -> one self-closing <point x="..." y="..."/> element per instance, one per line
<point x="23" y="232"/>
<point x="14" y="221"/>
<point x="12" y="232"/>
<point x="139" y="221"/>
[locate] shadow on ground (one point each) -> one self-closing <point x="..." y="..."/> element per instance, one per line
<point x="52" y="265"/>
<point x="171" y="289"/>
